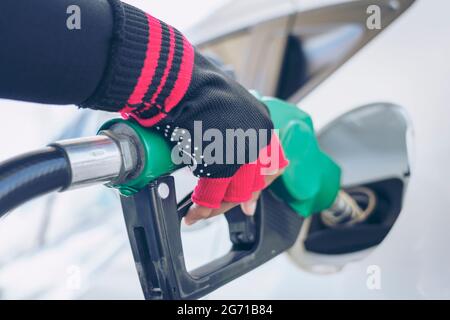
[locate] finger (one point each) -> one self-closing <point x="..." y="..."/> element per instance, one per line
<point x="224" y="208"/>
<point x="197" y="212"/>
<point x="249" y="207"/>
<point x="273" y="176"/>
<point x="242" y="183"/>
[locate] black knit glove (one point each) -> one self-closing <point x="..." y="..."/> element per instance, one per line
<point x="157" y="78"/>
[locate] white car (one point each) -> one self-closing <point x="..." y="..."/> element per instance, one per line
<point x="373" y="76"/>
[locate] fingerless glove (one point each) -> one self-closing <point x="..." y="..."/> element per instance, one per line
<point x="155" y="77"/>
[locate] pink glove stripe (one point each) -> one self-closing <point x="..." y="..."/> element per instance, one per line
<point x="184" y="77"/>
<point x="181" y="86"/>
<point x="150" y="63"/>
<point x="168" y="66"/>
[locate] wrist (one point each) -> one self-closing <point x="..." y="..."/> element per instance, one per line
<point x="149" y="68"/>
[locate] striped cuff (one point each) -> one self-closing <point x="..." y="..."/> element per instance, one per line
<point x="149" y="70"/>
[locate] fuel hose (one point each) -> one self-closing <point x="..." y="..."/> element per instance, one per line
<point x="31" y="175"/>
<point x="68" y="164"/>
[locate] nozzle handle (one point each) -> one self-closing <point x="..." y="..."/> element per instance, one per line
<point x="153" y="223"/>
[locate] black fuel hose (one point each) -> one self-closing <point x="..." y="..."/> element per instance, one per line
<point x="30" y="175"/>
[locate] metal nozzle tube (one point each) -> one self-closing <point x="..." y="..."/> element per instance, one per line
<point x="98" y="159"/>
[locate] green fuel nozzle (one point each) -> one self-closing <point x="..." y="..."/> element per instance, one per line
<point x="312" y="181"/>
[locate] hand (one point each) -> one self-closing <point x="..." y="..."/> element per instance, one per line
<point x="157" y="78"/>
<point x="198" y="212"/>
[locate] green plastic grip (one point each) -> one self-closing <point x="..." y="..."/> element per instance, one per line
<point x="157" y="162"/>
<point x="309" y="184"/>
